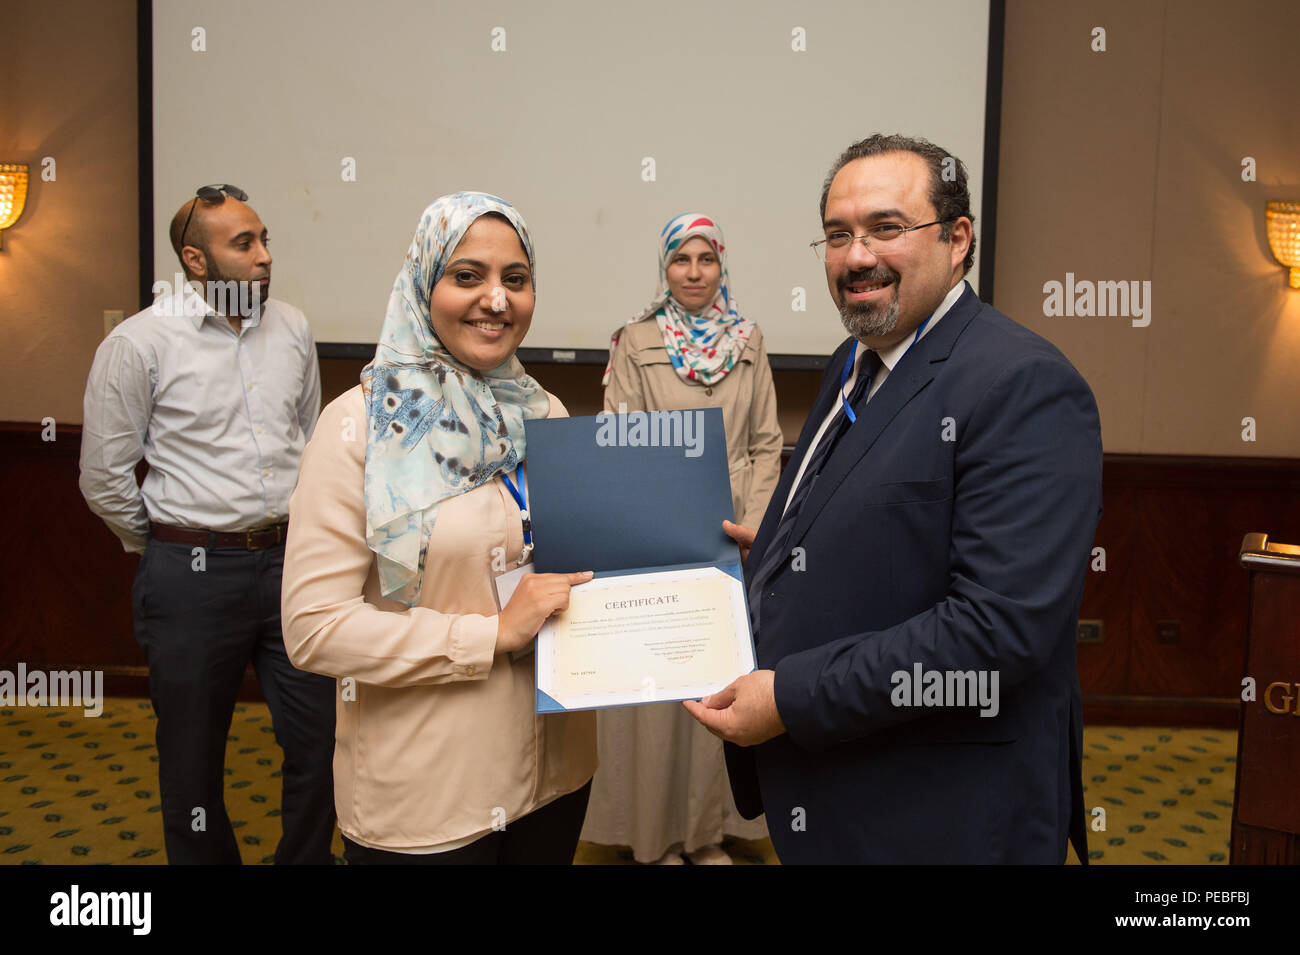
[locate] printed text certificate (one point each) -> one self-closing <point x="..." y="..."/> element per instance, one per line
<point x="645" y="638"/>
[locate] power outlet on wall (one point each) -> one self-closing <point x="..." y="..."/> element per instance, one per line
<point x="113" y="317"/>
<point x="1091" y="631"/>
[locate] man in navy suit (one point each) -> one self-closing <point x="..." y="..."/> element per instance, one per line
<point x="915" y="584"/>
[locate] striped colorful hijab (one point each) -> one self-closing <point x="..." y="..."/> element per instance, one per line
<point x="435" y="428"/>
<point x="704" y="346"/>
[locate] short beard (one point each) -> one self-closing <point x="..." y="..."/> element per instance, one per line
<point x="869" y="321"/>
<point x="238" y="305"/>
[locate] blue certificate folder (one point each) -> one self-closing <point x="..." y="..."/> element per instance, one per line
<point x="602" y="497"/>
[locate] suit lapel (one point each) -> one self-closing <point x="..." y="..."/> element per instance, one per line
<point x="916" y="369"/>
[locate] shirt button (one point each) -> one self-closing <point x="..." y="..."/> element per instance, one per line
<point x="471" y="670"/>
<point x="259" y="430"/>
<point x="709" y="391"/>
<point x="266" y="474"/>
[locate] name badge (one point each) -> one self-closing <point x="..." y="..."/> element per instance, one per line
<point x="505" y="586"/>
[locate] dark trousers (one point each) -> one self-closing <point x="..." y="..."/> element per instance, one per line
<point x="548" y="836"/>
<point x="199" y="628"/>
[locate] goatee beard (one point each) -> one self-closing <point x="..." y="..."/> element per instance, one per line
<point x="869" y="321"/>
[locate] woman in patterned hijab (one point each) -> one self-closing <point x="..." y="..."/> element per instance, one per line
<point x="434" y="426"/>
<point x="408" y="510"/>
<point x="661" y="787"/>
<point x="703" y="335"/>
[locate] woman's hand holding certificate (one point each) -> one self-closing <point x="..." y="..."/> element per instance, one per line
<point x="537" y="597"/>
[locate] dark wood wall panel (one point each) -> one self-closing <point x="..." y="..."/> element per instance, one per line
<point x="1107" y="596"/>
<point x="1172" y="528"/>
<point x="1177" y="588"/>
<point x="64" y="579"/>
<point x="1192" y="514"/>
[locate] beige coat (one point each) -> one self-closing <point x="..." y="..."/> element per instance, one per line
<point x="642" y="377"/>
<point x="437" y="740"/>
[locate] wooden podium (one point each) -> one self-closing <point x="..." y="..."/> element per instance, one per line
<point x="1266" y="809"/>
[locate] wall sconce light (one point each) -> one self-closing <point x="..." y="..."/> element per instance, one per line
<point x="1284" y="236"/>
<point x="13" y="194"/>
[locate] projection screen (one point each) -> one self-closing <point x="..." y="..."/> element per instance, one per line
<point x="599" y="121"/>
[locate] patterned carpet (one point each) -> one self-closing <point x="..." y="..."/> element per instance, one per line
<point x="85" y="791"/>
<point x="1167" y="794"/>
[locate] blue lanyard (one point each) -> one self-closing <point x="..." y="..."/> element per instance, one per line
<point x="853" y="356"/>
<point x="520" y="494"/>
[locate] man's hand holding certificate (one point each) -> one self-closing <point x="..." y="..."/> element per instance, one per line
<point x="665" y="617"/>
<point x="743" y="713"/>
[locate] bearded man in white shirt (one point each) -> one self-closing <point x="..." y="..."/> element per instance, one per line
<point x="217" y="387"/>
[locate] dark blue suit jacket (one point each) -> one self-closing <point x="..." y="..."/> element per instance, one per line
<point x="961" y="545"/>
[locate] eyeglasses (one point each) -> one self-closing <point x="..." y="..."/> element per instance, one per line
<point x="214" y="194"/>
<point x="877" y="238"/>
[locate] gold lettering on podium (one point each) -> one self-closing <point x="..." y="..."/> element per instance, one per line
<point x="1286" y="699"/>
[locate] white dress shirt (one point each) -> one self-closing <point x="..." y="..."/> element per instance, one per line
<point x="888" y="358"/>
<point x="221" y="417"/>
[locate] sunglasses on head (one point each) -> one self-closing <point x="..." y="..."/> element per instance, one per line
<point x="214" y="194"/>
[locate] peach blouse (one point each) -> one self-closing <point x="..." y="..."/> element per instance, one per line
<point x="437" y="742"/>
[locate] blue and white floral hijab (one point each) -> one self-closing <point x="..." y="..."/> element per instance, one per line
<point x="435" y="428"/>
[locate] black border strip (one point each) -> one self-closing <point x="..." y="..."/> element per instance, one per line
<point x="992" y="147"/>
<point x="144" y="149"/>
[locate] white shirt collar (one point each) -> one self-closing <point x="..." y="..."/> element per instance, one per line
<point x="196" y="307"/>
<point x="188" y="304"/>
<point x="890" y="356"/>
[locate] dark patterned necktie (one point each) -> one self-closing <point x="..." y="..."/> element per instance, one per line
<point x="778" y="552"/>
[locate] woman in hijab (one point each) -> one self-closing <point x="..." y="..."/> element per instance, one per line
<point x="411" y="500"/>
<point x="662" y="787"/>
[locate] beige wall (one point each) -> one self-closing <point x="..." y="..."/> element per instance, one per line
<point x="1127" y="165"/>
<point x="69" y="91"/>
<point x="1117" y="165"/>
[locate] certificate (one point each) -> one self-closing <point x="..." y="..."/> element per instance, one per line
<point x="640" y="501"/>
<point x="645" y="638"/>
